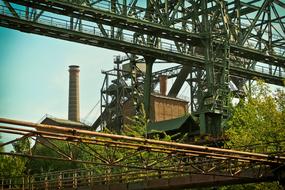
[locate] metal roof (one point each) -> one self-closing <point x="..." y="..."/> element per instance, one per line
<point x="168" y="97"/>
<point x="64" y="122"/>
<point x="179" y="123"/>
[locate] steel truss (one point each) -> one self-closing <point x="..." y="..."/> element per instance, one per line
<point x="119" y="86"/>
<point x="219" y="38"/>
<point x="116" y="154"/>
<point x="137" y="24"/>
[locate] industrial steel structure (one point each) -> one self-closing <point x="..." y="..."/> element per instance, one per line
<point x="123" y="90"/>
<point x="138" y="163"/>
<point x="216" y="42"/>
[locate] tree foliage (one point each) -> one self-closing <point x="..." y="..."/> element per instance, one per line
<point x="55" y="149"/>
<point x="258" y="124"/>
<point x="259" y="121"/>
<point x="12" y="166"/>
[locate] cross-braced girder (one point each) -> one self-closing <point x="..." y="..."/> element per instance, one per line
<point x="217" y="38"/>
<point x="164" y="31"/>
<point x="115" y="155"/>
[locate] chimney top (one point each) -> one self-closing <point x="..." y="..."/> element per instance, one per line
<point x="73" y="67"/>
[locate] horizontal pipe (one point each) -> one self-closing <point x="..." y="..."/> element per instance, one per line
<point x="136" y="139"/>
<point x="25" y="135"/>
<point x="165" y="150"/>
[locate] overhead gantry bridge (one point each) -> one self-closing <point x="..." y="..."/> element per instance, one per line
<point x="132" y="28"/>
<point x="122" y="162"/>
<point x="215" y="41"/>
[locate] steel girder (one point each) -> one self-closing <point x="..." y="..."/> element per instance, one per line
<point x="138" y="28"/>
<point x="237" y="38"/>
<point x="129" y="180"/>
<point x="115" y="155"/>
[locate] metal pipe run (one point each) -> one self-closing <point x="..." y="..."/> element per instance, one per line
<point x="150" y="148"/>
<point x="74" y="133"/>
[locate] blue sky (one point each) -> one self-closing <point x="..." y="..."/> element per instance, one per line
<point x="34" y="75"/>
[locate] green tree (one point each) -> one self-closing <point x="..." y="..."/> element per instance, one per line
<point x="54" y="148"/>
<point x="258" y="124"/>
<point x="259" y="120"/>
<point x="12" y="166"/>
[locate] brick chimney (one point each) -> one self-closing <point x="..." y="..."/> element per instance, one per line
<point x="73" y="102"/>
<point x="163" y="84"/>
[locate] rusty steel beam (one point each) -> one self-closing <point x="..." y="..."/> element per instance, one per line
<point x="155" y="144"/>
<point x="25" y="135"/>
<point x="163" y="169"/>
<point x="126" y="145"/>
<point x="144" y="180"/>
<point x="204" y="161"/>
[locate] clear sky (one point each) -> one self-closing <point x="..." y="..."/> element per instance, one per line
<point x="34" y="75"/>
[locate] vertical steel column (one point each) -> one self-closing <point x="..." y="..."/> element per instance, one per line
<point x="207" y="48"/>
<point x="134" y="82"/>
<point x="125" y="8"/>
<point x="166" y="7"/>
<point x="224" y="82"/>
<point x="113" y="10"/>
<point x="149" y="63"/>
<point x="147" y="85"/>
<point x="237" y="10"/>
<point x="71" y="23"/>
<point x="119" y="91"/>
<point x="209" y="67"/>
<point x="270" y="49"/>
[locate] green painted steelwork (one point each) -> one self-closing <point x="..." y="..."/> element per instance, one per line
<point x="173" y="125"/>
<point x="147" y="85"/>
<point x="219" y="40"/>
